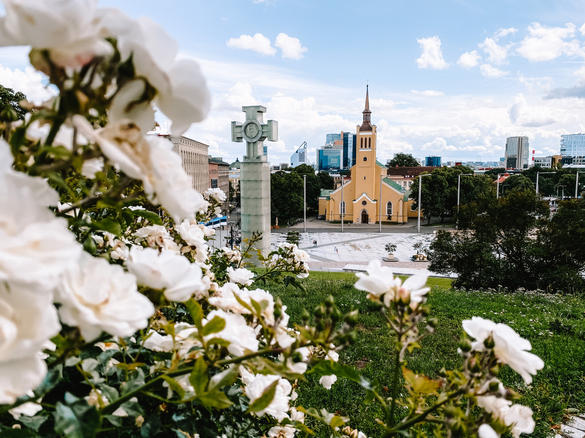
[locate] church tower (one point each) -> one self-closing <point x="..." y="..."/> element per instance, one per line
<point x="365" y="164"/>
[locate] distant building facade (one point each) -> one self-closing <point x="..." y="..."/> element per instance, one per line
<point x="406" y="175"/>
<point x="219" y="174"/>
<point x="517" y="151"/>
<point x="194" y="158"/>
<point x="572" y="145"/>
<point x="547" y="162"/>
<point x="299" y="156"/>
<point x="433" y="161"/>
<point x="330" y="158"/>
<point x="345" y="140"/>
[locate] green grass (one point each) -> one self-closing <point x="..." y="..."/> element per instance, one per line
<point x="554" y="325"/>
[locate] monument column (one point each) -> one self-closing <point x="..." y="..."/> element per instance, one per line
<point x="255" y="174"/>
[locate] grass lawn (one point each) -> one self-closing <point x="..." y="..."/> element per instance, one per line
<point x="554" y="325"/>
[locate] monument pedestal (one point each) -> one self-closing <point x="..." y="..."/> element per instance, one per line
<point x="255" y="202"/>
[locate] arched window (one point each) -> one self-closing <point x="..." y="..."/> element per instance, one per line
<point x="389" y="209"/>
<point x="369" y="142"/>
<point x="342" y="207"/>
<point x="361" y="142"/>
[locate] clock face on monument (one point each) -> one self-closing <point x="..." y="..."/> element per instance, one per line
<point x="252" y="131"/>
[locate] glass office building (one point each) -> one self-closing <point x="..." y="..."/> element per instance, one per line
<point x="573" y="145"/>
<point x="348" y="150"/>
<point x="332" y="138"/>
<point x="517" y="150"/>
<point x="329" y="158"/>
<point x="433" y="161"/>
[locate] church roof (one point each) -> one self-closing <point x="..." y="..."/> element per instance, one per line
<point x="394" y="185"/>
<point x="366" y="125"/>
<point x="325" y="193"/>
<point x="235" y="164"/>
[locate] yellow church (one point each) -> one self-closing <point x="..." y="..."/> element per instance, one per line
<point x="359" y="200"/>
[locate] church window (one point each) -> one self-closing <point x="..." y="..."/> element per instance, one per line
<point x="365" y="158"/>
<point x="389" y="209"/>
<point x="342" y="207"/>
<point x="369" y="142"/>
<point x="364" y="203"/>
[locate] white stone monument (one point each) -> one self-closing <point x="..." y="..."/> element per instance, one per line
<point x="255" y="174"/>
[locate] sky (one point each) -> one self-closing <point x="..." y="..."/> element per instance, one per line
<point x="452" y="78"/>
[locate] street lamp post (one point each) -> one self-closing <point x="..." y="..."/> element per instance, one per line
<point x="420" y="177"/>
<point x="342" y="204"/>
<point x="498" y="185"/>
<point x="380" y="203"/>
<point x="304" y="203"/>
<point x="577" y="184"/>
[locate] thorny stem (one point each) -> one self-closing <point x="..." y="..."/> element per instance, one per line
<point x="395" y="374"/>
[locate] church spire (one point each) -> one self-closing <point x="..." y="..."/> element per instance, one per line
<point x="366" y="125"/>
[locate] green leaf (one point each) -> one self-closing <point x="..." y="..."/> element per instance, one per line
<point x="265" y="399"/>
<point x="215" y="399"/>
<point x="19" y="433"/>
<point x="109" y="225"/>
<point x="198" y="377"/>
<point x="77" y="420"/>
<point x="175" y="386"/>
<point x="216" y="325"/>
<point x="218" y="341"/>
<point x="146" y="214"/>
<point x="196" y="312"/>
<point x="243" y="303"/>
<point x="225" y="378"/>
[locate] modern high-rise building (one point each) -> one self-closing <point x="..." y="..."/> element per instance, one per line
<point x="572" y="145"/>
<point x="433" y="161"/>
<point x="330" y="157"/>
<point x="517" y="151"/>
<point x="347" y="141"/>
<point x="299" y="156"/>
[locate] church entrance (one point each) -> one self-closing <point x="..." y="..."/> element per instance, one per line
<point x="365" y="217"/>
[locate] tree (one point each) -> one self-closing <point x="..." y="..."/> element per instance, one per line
<point x="499" y="247"/>
<point x="518" y="183"/>
<point x="325" y="181"/>
<point x="286" y="197"/>
<point x="10" y="109"/>
<point x="403" y="160"/>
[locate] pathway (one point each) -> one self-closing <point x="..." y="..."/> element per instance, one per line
<point x="575" y="428"/>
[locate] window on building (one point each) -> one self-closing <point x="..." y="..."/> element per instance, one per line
<point x="342" y="207"/>
<point x="364" y="203"/>
<point x="213" y="183"/>
<point x="389" y="209"/>
<point x="369" y="142"/>
<point x="365" y="158"/>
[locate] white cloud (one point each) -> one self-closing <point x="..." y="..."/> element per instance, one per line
<point x="548" y="43"/>
<point x="501" y="33"/>
<point x="496" y="54"/>
<point x="29" y="81"/>
<point x="257" y="43"/>
<point x="291" y="47"/>
<point x="489" y="71"/>
<point x="524" y="114"/>
<point x="432" y="55"/>
<point x="469" y="59"/>
<point x="428" y="93"/>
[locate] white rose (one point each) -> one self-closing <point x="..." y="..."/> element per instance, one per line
<point x="518" y="417"/>
<point x="68" y="28"/>
<point x="256" y="384"/>
<point x="27" y="409"/>
<point x="282" y="432"/>
<point x="509" y="347"/>
<point x="182" y="91"/>
<point x="92" y="166"/>
<point x="241" y="276"/>
<point x="28" y="320"/>
<point x="156" y="236"/>
<point x="241" y="336"/>
<point x="97" y="296"/>
<point x="328" y="381"/>
<point x="486" y="431"/>
<point x="35" y="246"/>
<point x="18" y="377"/>
<point x="215" y="193"/>
<point x="166" y="270"/>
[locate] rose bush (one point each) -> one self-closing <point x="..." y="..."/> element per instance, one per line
<point x="116" y="317"/>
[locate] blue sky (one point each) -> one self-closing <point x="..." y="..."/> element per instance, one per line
<point x="308" y="61"/>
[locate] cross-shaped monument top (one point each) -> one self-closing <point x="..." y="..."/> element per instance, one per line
<point x="254" y="131"/>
